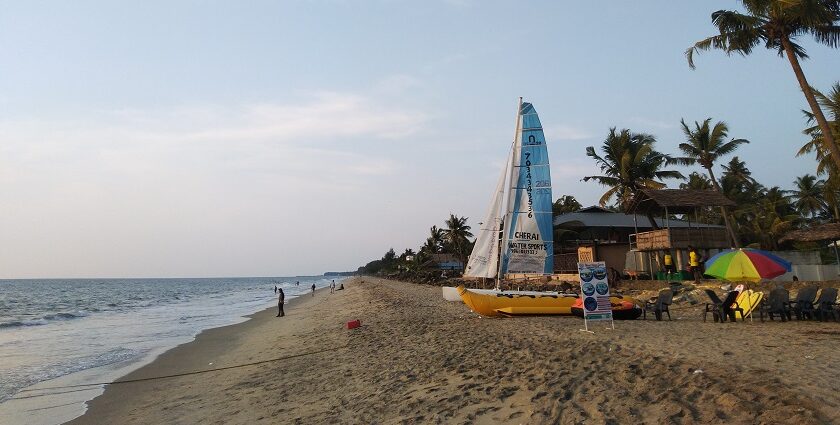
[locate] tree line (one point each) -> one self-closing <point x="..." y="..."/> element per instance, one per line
<point x="452" y="239"/>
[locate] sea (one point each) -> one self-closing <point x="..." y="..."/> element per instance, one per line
<point x="69" y="331"/>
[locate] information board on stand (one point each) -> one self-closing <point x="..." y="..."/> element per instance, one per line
<point x="595" y="293"/>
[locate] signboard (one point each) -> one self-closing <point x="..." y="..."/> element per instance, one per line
<point x="595" y="292"/>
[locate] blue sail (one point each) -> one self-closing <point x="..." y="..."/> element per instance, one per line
<point x="529" y="241"/>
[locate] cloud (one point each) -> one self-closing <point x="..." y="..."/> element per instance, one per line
<point x="329" y="127"/>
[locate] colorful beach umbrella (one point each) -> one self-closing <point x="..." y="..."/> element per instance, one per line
<point x="746" y="264"/>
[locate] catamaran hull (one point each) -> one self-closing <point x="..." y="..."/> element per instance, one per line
<point x="450" y="293"/>
<point x="519" y="303"/>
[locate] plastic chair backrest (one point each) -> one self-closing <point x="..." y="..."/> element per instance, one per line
<point x="807" y="294"/>
<point x="827" y="296"/>
<point x="666" y="297"/>
<point x="778" y="298"/>
<point x="713" y="296"/>
<point x="730" y="298"/>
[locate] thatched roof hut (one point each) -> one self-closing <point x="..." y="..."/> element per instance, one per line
<point x="676" y="201"/>
<point x="819" y="233"/>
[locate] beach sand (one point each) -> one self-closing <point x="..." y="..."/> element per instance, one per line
<point x="419" y="359"/>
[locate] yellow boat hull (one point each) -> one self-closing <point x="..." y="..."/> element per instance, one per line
<point x="503" y="304"/>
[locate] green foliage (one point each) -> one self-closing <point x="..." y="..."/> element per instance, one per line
<point x="434" y="243"/>
<point x="696" y="181"/>
<point x="772" y="23"/>
<point x="565" y="204"/>
<point x="456" y="237"/>
<point x="817" y="144"/>
<point x="704" y="145"/>
<point x="808" y="195"/>
<point x="629" y="162"/>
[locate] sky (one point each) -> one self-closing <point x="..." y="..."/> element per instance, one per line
<point x="279" y="138"/>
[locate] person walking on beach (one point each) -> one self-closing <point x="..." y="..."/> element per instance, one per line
<point x="280" y="300"/>
<point x="332" y="287"/>
<point x="313" y="289"/>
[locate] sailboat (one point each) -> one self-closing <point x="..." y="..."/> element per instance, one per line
<point x="516" y="236"/>
<point x="521" y="203"/>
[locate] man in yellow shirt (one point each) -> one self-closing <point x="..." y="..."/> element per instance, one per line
<point x="669" y="265"/>
<point x="694" y="263"/>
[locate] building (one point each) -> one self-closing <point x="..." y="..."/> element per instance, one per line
<point x="599" y="234"/>
<point x="447" y="262"/>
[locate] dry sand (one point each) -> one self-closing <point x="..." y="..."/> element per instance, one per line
<point x="419" y="359"/>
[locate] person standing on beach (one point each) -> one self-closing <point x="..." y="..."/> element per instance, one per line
<point x="313" y="289"/>
<point x="694" y="263"/>
<point x="669" y="265"/>
<point x="275" y="289"/>
<point x="280" y="300"/>
<point x="332" y="287"/>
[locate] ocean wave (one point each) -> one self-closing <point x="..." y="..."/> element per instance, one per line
<point x="45" y="319"/>
<point x="16" y="323"/>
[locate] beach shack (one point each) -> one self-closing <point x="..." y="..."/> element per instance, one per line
<point x="648" y="247"/>
<point x="599" y="234"/>
<point x="447" y="262"/>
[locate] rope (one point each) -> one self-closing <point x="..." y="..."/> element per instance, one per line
<point x="177" y="375"/>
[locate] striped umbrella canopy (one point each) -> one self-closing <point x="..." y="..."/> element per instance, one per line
<point x="746" y="264"/>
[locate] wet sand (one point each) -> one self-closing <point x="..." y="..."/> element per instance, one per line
<point x="419" y="359"/>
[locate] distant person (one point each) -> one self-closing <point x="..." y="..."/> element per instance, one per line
<point x="313" y="289"/>
<point x="669" y="265"/>
<point x="297" y="283"/>
<point x="332" y="287"/>
<point x="280" y="300"/>
<point x="694" y="263"/>
<point x="275" y="289"/>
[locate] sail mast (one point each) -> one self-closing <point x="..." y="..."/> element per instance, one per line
<point x="511" y="167"/>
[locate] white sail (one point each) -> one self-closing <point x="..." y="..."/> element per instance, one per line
<point x="484" y="260"/>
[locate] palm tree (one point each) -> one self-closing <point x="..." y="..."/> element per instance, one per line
<point x="565" y="204"/>
<point x="808" y="195"/>
<point x="456" y="236"/>
<point x="817" y="144"/>
<point x="767" y="225"/>
<point x="737" y="170"/>
<point x="434" y="242"/>
<point x="832" y="197"/>
<point x="776" y="24"/>
<point x="407" y="253"/>
<point x="696" y="181"/>
<point x="705" y="145"/>
<point x="629" y="163"/>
